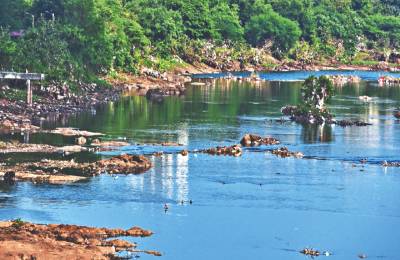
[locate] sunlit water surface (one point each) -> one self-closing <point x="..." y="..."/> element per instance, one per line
<point x="257" y="206"/>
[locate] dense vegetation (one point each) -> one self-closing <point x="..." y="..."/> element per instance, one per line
<point x="77" y="40"/>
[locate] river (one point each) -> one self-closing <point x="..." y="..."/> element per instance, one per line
<point x="257" y="206"/>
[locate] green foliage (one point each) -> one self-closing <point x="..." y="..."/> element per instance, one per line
<point x="91" y="38"/>
<point x="316" y="92"/>
<point x="17" y="223"/>
<point x="225" y="22"/>
<point x="266" y="24"/>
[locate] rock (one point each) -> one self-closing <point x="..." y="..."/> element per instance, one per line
<point x="365" y="98"/>
<point x="397" y="114"/>
<point x="345" y="123"/>
<point x="96" y="142"/>
<point x="23" y="240"/>
<point x="124" y="164"/>
<point x="255" y="140"/>
<point x="390" y="164"/>
<point x="81" y="140"/>
<point x="234" y="150"/>
<point x="310" y="252"/>
<point x="9" y="177"/>
<point x="284" y="153"/>
<point x="155" y="95"/>
<point x="68" y="131"/>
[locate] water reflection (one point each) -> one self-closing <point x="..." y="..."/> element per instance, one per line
<point x="317" y="133"/>
<point x="169" y="178"/>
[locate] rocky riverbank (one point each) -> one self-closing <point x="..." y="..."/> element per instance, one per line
<point x="59" y="172"/>
<point x="23" y="240"/>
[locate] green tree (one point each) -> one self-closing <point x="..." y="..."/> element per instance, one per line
<point x="225" y="22"/>
<point x="266" y="24"/>
<point x="316" y="92"/>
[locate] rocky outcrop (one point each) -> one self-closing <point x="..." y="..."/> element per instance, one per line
<point x="345" y="123"/>
<point x="22" y="240"/>
<point x="58" y="172"/>
<point x="124" y="164"/>
<point x="391" y="164"/>
<point x="234" y="150"/>
<point x="13" y="147"/>
<point x="340" y="80"/>
<point x="285" y="153"/>
<point x="69" y="131"/>
<point x="256" y="140"/>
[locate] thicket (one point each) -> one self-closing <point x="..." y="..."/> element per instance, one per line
<point x="77" y="40"/>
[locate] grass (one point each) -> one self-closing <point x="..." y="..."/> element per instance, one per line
<point x="17" y="223"/>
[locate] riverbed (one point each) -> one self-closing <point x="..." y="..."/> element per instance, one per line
<point x="257" y="206"/>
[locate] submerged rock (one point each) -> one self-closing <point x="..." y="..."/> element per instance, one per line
<point x="234" y="150"/>
<point x="345" y="123"/>
<point x="124" y="164"/>
<point x="58" y="172"/>
<point x="284" y="153"/>
<point x="255" y="140"/>
<point x="310" y="252"/>
<point x="391" y="164"/>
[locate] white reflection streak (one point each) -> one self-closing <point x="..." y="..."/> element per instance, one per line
<point x="182" y="177"/>
<point x="137" y="183"/>
<point x="167" y="176"/>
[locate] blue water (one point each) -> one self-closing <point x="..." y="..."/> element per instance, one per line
<point x="257" y="206"/>
<point x="302" y="75"/>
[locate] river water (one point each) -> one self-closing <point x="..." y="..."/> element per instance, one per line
<point x="257" y="206"/>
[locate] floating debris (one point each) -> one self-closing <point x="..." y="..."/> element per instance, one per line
<point x="284" y="153"/>
<point x="256" y="140"/>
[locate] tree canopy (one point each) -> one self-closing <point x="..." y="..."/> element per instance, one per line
<point x="99" y="36"/>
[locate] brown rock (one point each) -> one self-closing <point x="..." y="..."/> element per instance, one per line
<point x="81" y="140"/>
<point x="33" y="241"/>
<point x="256" y="140"/>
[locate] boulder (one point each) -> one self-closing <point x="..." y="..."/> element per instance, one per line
<point x="256" y="140"/>
<point x="81" y="140"/>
